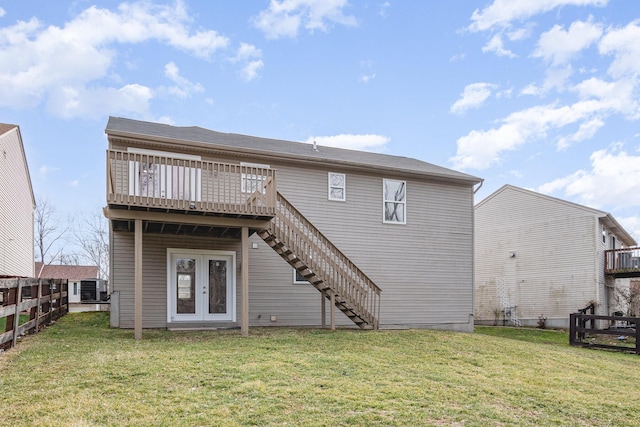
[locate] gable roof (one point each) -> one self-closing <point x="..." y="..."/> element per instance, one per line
<point x="5" y="128"/>
<point x="285" y="150"/>
<point x="608" y="219"/>
<point x="69" y="272"/>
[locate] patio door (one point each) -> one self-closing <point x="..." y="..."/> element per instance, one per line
<point x="200" y="285"/>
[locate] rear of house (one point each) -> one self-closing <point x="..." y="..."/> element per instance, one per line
<point x="386" y="239"/>
<point x="16" y="206"/>
<point x="541" y="257"/>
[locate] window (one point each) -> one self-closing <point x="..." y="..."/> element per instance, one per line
<point x="75" y="288"/>
<point x="337" y="186"/>
<point x="253" y="178"/>
<point x="604" y="234"/>
<point x="298" y="279"/>
<point x="395" y="201"/>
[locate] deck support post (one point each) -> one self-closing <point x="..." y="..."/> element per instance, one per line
<point x="245" y="282"/>
<point x="138" y="280"/>
<point x="323" y="309"/>
<point x="333" y="311"/>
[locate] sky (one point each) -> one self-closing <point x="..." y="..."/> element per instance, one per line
<point x="541" y="94"/>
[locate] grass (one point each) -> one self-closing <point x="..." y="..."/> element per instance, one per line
<point x="79" y="372"/>
<point x="24" y="318"/>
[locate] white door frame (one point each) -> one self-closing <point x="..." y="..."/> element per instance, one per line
<point x="201" y="256"/>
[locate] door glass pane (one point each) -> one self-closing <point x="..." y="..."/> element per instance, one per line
<point x="186" y="285"/>
<point x="217" y="286"/>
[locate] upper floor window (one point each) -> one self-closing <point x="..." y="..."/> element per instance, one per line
<point x="337" y="186"/>
<point x="253" y="178"/>
<point x="394" y="201"/>
<point x="604" y="234"/>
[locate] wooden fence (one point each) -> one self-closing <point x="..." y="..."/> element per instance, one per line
<point x="583" y="329"/>
<point x="38" y="301"/>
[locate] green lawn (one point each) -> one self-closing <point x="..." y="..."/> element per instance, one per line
<point x="79" y="372"/>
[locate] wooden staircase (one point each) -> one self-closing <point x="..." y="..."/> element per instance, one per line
<point x="321" y="263"/>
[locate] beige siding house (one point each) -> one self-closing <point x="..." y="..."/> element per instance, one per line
<point x="541" y="256"/>
<point x="16" y="206"/>
<point x="211" y="229"/>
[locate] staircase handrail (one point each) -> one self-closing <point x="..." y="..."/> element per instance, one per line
<point x="299" y="234"/>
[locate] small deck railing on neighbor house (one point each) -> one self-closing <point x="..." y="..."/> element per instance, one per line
<point x="622" y="262"/>
<point x="160" y="182"/>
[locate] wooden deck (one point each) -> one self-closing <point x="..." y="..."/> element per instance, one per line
<point x="622" y="262"/>
<point x="165" y="184"/>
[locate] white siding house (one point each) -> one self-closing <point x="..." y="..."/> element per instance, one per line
<point x="16" y="206"/>
<point x="539" y="256"/>
<point x="387" y="239"/>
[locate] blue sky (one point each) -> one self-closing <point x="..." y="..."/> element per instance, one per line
<point x="542" y="94"/>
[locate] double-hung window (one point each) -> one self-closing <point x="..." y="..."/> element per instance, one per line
<point x="394" y="201"/>
<point x="337" y="186"/>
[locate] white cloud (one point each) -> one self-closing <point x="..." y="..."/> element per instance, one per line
<point x="481" y="149"/>
<point x="495" y="45"/>
<point x="623" y="44"/>
<point x="71" y="102"/>
<point x="383" y="9"/>
<point x="250" y="58"/>
<point x="587" y="130"/>
<point x="251" y="69"/>
<point x="45" y="170"/>
<point x="368" y="142"/>
<point x="2" y="12"/>
<point x="285" y="17"/>
<point x="501" y="13"/>
<point x="473" y="96"/>
<point x="632" y="225"/>
<point x="558" y="46"/>
<point x="59" y="65"/>
<point x="555" y="78"/>
<point x="613" y="180"/>
<point x="183" y="88"/>
<point x="74" y="183"/>
<point x="365" y="78"/>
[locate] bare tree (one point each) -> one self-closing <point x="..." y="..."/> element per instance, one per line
<point x="92" y="240"/>
<point x="49" y="232"/>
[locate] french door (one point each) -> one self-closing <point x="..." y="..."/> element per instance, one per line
<point x="200" y="285"/>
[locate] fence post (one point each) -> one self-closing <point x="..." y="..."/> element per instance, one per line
<point x="572" y="329"/>
<point x="637" y="338"/>
<point x="16" y="318"/>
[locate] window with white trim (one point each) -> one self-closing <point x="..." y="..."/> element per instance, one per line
<point x="337" y="186"/>
<point x="255" y="179"/>
<point x="298" y="279"/>
<point x="394" y="194"/>
<point x="604" y="234"/>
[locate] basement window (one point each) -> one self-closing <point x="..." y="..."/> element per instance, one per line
<point x="298" y="279"/>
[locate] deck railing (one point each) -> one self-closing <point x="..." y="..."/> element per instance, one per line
<point x="172" y="183"/>
<point x="622" y="261"/>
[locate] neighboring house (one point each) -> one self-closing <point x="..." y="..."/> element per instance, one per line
<point x="16" y="206"/>
<point x="75" y="274"/>
<point x="539" y="256"/>
<point x="207" y="228"/>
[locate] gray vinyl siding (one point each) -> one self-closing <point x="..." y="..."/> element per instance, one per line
<point x="154" y="272"/>
<point x="16" y="209"/>
<point x="557" y="267"/>
<point x="423" y="267"/>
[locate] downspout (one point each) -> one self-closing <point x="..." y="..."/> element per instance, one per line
<point x="473" y="258"/>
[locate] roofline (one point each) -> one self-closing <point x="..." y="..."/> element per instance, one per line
<point x="624" y="235"/>
<point x="24" y="158"/>
<point x="209" y="146"/>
